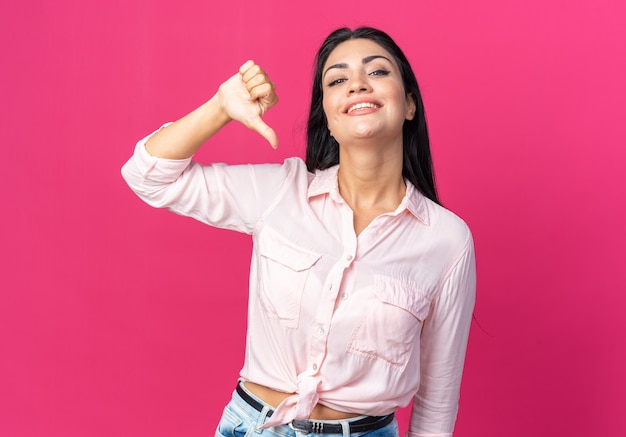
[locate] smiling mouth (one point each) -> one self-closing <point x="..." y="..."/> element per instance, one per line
<point x="361" y="106"/>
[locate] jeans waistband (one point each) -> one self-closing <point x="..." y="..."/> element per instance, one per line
<point x="368" y="423"/>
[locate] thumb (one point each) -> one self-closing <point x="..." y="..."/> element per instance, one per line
<point x="258" y="125"/>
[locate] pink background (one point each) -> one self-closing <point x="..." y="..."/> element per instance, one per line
<point x="120" y="320"/>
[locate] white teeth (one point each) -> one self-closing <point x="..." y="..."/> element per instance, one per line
<point x="361" y="106"/>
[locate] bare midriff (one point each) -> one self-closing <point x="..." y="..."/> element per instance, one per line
<point x="274" y="398"/>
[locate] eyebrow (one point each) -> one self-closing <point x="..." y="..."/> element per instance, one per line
<point x="365" y="60"/>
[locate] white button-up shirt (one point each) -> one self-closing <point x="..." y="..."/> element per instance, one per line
<point x="361" y="324"/>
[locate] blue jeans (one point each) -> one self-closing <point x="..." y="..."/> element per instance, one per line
<point x="241" y="420"/>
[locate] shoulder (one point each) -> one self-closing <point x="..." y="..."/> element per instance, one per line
<point x="295" y="165"/>
<point x="294" y="171"/>
<point x="280" y="182"/>
<point x="451" y="230"/>
<point x="291" y="169"/>
<point x="290" y="166"/>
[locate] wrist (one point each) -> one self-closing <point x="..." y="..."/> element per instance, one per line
<point x="215" y="111"/>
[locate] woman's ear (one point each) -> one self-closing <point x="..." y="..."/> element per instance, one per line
<point x="410" y="106"/>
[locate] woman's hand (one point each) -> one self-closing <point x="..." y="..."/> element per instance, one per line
<point x="246" y="96"/>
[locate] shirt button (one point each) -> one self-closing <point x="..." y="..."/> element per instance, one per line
<point x="348" y="257"/>
<point x="321" y="331"/>
<point x="344" y="296"/>
<point x="314" y="366"/>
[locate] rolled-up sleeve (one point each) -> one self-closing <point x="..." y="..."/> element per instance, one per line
<point x="225" y="196"/>
<point x="443" y="345"/>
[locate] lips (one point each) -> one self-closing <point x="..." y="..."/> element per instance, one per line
<point x="362" y="105"/>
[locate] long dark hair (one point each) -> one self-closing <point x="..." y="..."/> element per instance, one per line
<point x="322" y="150"/>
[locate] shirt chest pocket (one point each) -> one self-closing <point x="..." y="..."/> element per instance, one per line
<point x="389" y="330"/>
<point x="284" y="270"/>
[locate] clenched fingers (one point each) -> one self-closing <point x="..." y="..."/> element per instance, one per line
<point x="258" y="84"/>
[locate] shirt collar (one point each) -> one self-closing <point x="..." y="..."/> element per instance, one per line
<point x="325" y="182"/>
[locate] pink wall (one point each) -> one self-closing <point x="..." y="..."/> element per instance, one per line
<point x="120" y="320"/>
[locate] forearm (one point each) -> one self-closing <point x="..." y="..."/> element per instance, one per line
<point x="184" y="137"/>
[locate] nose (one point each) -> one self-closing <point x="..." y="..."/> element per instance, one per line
<point x="358" y="84"/>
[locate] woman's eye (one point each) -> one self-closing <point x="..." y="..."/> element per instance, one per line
<point x="380" y="73"/>
<point x="336" y="82"/>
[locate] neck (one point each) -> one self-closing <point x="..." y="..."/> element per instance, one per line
<point x="370" y="178"/>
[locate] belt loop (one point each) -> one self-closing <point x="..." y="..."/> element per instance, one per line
<point x="262" y="416"/>
<point x="345" y="427"/>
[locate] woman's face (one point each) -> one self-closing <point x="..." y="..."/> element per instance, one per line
<point x="364" y="96"/>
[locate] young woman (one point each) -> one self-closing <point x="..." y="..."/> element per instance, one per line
<point x="362" y="286"/>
